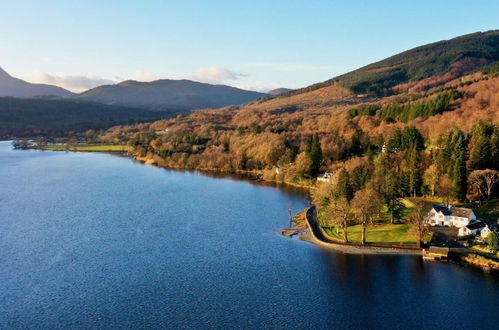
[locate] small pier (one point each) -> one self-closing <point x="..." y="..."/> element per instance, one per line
<point x="289" y="232"/>
<point x="436" y="253"/>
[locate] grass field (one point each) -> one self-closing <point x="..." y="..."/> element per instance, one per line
<point x="87" y="147"/>
<point x="385" y="234"/>
<point x="384" y="216"/>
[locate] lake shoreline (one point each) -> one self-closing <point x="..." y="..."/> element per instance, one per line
<point x="317" y="236"/>
<point x="305" y="234"/>
<point x="254" y="175"/>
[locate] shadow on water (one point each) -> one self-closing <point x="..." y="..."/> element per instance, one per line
<point x="241" y="177"/>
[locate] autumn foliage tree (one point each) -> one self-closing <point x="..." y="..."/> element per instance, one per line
<point x="417" y="222"/>
<point x="339" y="211"/>
<point x="366" y="204"/>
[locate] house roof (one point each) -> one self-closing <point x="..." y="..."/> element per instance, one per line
<point x="475" y="225"/>
<point x="439" y="250"/>
<point x="460" y="212"/>
<point x="455" y="211"/>
<point x="441" y="208"/>
<point x="494" y="227"/>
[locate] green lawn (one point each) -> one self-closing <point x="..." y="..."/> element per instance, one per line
<point x="382" y="232"/>
<point x="87" y="147"/>
<point x="385" y="233"/>
<point x="384" y="216"/>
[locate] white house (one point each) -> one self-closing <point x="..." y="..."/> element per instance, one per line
<point x="485" y="232"/>
<point x="326" y="177"/>
<point x="450" y="216"/>
<point x="475" y="228"/>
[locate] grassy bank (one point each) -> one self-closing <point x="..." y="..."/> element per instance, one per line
<point x="481" y="261"/>
<point x="392" y="234"/>
<point x="86" y="147"/>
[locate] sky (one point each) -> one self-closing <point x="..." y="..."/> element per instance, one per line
<point x="257" y="45"/>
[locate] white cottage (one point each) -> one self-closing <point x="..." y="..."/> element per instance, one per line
<point x="475" y="228"/>
<point x="326" y="177"/>
<point x="450" y="216"/>
<point x="485" y="232"/>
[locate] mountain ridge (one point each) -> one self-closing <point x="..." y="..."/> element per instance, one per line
<point x="15" y="87"/>
<point x="164" y="94"/>
<point x="415" y="64"/>
<point x="279" y="91"/>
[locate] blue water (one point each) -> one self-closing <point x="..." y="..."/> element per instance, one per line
<point x="91" y="241"/>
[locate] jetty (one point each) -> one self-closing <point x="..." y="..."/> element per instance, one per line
<point x="436" y="253"/>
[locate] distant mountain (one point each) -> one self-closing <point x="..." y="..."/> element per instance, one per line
<point x="455" y="57"/>
<point x="181" y="95"/>
<point x="279" y="91"/>
<point x="61" y="116"/>
<point x="10" y="86"/>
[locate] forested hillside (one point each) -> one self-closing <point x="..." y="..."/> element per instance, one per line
<point x="57" y="117"/>
<point x="424" y="140"/>
<point x="428" y="138"/>
<point x="453" y="57"/>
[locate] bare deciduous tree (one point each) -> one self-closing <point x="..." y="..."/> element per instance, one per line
<point x="483" y="181"/>
<point x="339" y="212"/>
<point x="418" y="222"/>
<point x="366" y="204"/>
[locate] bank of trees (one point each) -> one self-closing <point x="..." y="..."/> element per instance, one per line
<point x="393" y="112"/>
<point x="409" y="166"/>
<point x="425" y="109"/>
<point x="456" y="166"/>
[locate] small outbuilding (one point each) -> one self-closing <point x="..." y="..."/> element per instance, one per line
<point x="326" y="177"/>
<point x="473" y="228"/>
<point x="485" y="232"/>
<point x="436" y="253"/>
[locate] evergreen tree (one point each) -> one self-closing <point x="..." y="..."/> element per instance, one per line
<point x="459" y="176"/>
<point x="413" y="159"/>
<point x="314" y="152"/>
<point x="308" y="144"/>
<point x="389" y="185"/>
<point x="344" y="186"/>
<point x="494" y="149"/>
<point x="356" y="145"/>
<point x="480" y="153"/>
<point x="480" y="145"/>
<point x="411" y="137"/>
<point x="394" y="143"/>
<point x="360" y="176"/>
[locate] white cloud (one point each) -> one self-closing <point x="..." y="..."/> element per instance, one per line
<point x="259" y="86"/>
<point x="215" y="75"/>
<point x="144" y="76"/>
<point x="81" y="83"/>
<point x="287" y="67"/>
<point x="75" y="83"/>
